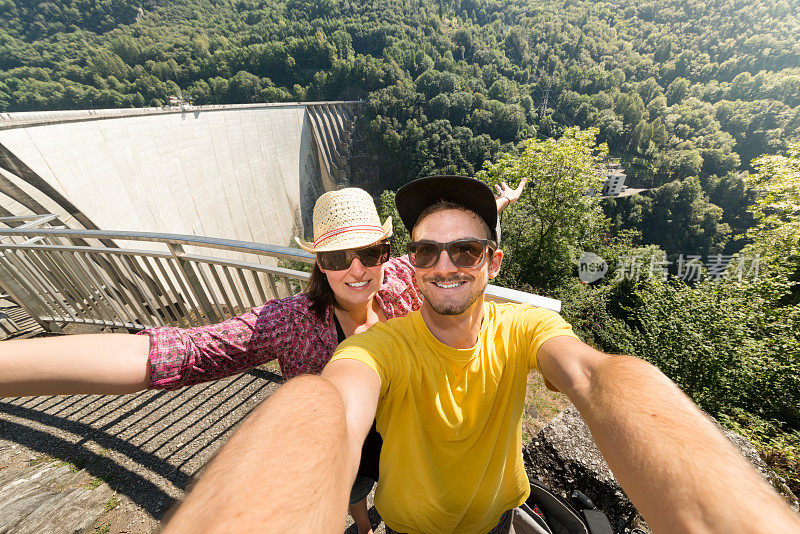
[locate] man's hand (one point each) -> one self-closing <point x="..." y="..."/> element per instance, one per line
<point x="679" y="470"/>
<point x="507" y="195"/>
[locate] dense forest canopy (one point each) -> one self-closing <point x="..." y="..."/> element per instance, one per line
<point x="676" y="88"/>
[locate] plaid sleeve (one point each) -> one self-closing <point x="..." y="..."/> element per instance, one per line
<point x="399" y="294"/>
<point x="187" y="356"/>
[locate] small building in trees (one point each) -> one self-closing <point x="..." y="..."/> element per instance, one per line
<point x="614" y="182"/>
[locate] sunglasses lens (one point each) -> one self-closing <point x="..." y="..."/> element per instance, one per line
<point x="373" y="256"/>
<point x="335" y="260"/>
<point x="462" y="253"/>
<point x="424" y="254"/>
<point x="339" y="260"/>
<point x="467" y="253"/>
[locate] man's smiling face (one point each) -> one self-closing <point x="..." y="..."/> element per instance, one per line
<point x="451" y="290"/>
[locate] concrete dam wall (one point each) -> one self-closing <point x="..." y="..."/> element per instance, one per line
<point x="246" y="172"/>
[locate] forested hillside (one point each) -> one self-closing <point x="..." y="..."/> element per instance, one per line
<point x="678" y="88"/>
<point x="700" y="101"/>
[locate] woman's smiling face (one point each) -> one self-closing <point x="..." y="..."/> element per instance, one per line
<point x="356" y="285"/>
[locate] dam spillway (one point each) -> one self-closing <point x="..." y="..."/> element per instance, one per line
<point x="244" y="172"/>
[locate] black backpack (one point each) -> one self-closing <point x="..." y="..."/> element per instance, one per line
<point x="546" y="512"/>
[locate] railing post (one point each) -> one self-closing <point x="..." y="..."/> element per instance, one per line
<point x="194" y="282"/>
<point x="14" y="290"/>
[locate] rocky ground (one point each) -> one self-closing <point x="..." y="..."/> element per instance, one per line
<point x="564" y="456"/>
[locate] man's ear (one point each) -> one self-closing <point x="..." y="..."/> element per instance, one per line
<point x="494" y="265"/>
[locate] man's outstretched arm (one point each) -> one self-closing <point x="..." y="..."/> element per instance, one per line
<point x="679" y="470"/>
<point x="291" y="465"/>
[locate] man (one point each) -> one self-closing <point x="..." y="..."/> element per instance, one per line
<point x="446" y="386"/>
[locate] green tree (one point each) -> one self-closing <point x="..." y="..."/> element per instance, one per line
<point x="776" y="235"/>
<point x="556" y="216"/>
<point x="777" y="204"/>
<point x="400" y="235"/>
<point x="730" y="192"/>
<point x="677" y="90"/>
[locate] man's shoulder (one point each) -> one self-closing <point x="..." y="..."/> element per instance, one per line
<point x="394" y="332"/>
<point x="522" y="318"/>
<point x="507" y="310"/>
<point x="385" y="347"/>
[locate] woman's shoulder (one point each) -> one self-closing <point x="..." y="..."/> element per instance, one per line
<point x="296" y="308"/>
<point x="400" y="267"/>
<point x="398" y="276"/>
<point x="302" y="342"/>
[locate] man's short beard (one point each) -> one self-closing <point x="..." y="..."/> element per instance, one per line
<point x="452" y="308"/>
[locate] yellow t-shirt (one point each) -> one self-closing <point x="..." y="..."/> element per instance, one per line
<point x="451" y="419"/>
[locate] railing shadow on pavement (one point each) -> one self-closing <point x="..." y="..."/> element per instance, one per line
<point x="147" y="446"/>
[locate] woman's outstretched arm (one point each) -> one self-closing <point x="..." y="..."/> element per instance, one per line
<point x="121" y="363"/>
<point x="89" y="363"/>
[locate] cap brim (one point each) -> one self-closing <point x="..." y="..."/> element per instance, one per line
<point x="417" y="196"/>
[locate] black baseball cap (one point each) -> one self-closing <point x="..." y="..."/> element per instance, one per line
<point x="417" y="196"/>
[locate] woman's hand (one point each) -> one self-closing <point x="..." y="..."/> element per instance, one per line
<point x="507" y="195"/>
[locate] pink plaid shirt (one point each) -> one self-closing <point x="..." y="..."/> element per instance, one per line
<point x="285" y="329"/>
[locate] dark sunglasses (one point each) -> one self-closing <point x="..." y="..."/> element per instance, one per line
<point x="464" y="253"/>
<point x="339" y="260"/>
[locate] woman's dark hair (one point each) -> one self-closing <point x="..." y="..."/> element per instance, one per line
<point x="319" y="292"/>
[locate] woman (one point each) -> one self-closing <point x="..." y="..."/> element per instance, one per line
<point x="353" y="285"/>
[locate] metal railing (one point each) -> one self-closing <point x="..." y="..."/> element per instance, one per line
<point x="152" y="281"/>
<point x="61" y="275"/>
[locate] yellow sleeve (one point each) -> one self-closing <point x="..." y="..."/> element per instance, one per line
<point x="540" y="325"/>
<point x="372" y="348"/>
<point x="359" y="354"/>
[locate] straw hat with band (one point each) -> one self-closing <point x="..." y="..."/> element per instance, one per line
<point x="346" y="219"/>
